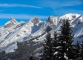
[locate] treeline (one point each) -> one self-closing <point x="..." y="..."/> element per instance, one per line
<point x="58" y="46"/>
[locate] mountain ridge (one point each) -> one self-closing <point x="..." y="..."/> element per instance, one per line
<point x="35" y="28"/>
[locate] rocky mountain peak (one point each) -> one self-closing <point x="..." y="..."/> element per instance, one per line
<point x="35" y="20"/>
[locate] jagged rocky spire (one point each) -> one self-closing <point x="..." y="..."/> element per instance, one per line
<point x="12" y="20"/>
<point x="35" y="20"/>
<point x="10" y="23"/>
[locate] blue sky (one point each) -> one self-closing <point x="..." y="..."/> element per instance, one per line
<point x="26" y="9"/>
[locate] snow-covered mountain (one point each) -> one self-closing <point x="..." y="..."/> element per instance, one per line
<point x="13" y="31"/>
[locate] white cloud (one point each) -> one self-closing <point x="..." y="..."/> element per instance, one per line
<point x="65" y="11"/>
<point x="57" y="6"/>
<point x="21" y="16"/>
<point x="57" y="3"/>
<point x="18" y="5"/>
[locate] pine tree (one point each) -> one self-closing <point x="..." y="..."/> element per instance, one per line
<point x="48" y="54"/>
<point x="72" y="52"/>
<point x="22" y="51"/>
<point x="54" y="45"/>
<point x="61" y="50"/>
<point x="81" y="54"/>
<point x="31" y="58"/>
<point x="77" y="50"/>
<point x="3" y="55"/>
<point x="66" y="39"/>
<point x="55" y="39"/>
<point x="59" y="47"/>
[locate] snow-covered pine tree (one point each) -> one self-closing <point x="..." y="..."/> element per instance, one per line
<point x="61" y="48"/>
<point x="68" y="38"/>
<point x="48" y="54"/>
<point x="65" y="39"/>
<point x="54" y="45"/>
<point x="3" y="55"/>
<point x="81" y="54"/>
<point x="72" y="52"/>
<point x="77" y="49"/>
<point x="31" y="58"/>
<point x="21" y="52"/>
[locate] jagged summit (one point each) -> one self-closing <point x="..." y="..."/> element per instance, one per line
<point x="12" y="20"/>
<point x="10" y="23"/>
<point x="35" y="20"/>
<point x="50" y="18"/>
<point x="53" y="20"/>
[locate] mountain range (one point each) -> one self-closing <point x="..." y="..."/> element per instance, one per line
<point x="36" y="30"/>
